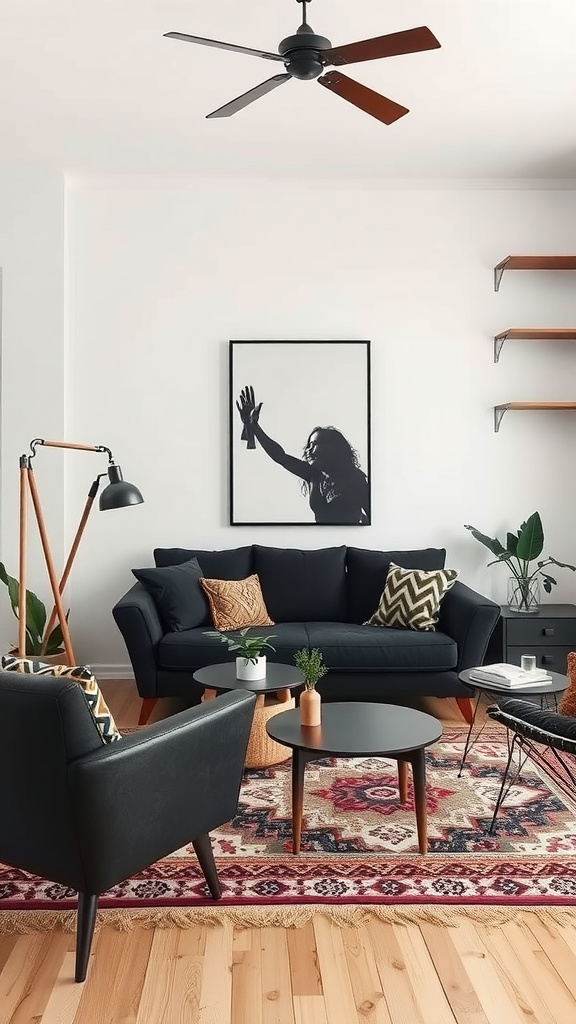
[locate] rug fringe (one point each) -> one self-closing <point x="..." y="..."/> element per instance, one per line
<point x="345" y="916"/>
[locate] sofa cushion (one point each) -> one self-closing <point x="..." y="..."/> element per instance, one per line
<point x="348" y="646"/>
<point x="180" y="600"/>
<point x="366" y="573"/>
<point x="303" y="585"/>
<point x="411" y="597"/>
<point x="236" y="604"/>
<point x="229" y="564"/>
<point x="193" y="649"/>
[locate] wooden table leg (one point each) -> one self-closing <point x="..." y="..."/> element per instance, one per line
<point x="298" y="765"/>
<point x="403" y="781"/>
<point x="418" y="760"/>
<point x="209" y="694"/>
<point x="283" y="696"/>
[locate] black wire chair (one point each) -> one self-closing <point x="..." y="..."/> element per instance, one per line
<point x="531" y="731"/>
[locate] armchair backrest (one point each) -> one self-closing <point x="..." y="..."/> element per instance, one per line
<point x="45" y="724"/>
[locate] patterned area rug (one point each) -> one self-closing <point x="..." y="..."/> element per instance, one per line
<point x="359" y="846"/>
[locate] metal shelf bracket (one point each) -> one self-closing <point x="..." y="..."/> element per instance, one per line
<point x="499" y="340"/>
<point x="499" y="411"/>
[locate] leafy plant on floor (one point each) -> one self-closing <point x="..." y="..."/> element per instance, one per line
<point x="248" y="647"/>
<point x="36" y="643"/>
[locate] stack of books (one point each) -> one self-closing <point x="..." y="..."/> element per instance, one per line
<point x="509" y="677"/>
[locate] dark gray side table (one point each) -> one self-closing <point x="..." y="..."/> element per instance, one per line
<point x="550" y="634"/>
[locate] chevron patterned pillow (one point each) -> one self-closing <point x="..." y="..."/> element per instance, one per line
<point x="411" y="597"/>
<point x="81" y="674"/>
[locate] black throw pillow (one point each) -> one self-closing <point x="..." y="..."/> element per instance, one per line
<point x="178" y="596"/>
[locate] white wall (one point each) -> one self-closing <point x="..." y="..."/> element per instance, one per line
<point x="34" y="396"/>
<point x="160" y="278"/>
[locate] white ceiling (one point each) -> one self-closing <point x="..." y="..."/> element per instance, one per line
<point x="92" y="86"/>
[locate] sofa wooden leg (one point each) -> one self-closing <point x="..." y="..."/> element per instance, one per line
<point x="148" y="705"/>
<point x="465" y="705"/>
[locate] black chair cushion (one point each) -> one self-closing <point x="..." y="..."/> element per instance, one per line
<point x="541" y="726"/>
<point x="366" y="573"/>
<point x="303" y="585"/>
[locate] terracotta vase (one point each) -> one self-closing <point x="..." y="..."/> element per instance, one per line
<point x="310" y="707"/>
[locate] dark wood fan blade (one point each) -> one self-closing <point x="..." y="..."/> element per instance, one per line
<point x="372" y="102"/>
<point x="412" y="41"/>
<point x="222" y="46"/>
<point x="248" y="97"/>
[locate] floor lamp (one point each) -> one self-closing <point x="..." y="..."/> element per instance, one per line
<point x="117" y="494"/>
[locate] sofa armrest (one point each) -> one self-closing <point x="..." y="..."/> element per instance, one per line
<point x="469" y="618"/>
<point x="137" y="619"/>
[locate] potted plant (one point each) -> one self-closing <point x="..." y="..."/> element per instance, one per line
<point x="250" y="662"/>
<point x="50" y="647"/>
<point x="311" y="664"/>
<point x="521" y="549"/>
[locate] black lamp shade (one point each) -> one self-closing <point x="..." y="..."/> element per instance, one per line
<point x="119" y="493"/>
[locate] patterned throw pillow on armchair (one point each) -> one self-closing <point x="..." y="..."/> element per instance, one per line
<point x="567" y="705"/>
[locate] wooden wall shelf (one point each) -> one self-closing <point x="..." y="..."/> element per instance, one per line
<point x="531" y="333"/>
<point x="499" y="410"/>
<point x="532" y="263"/>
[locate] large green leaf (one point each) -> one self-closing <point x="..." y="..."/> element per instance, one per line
<point x="530" y="539"/>
<point x="492" y="543"/>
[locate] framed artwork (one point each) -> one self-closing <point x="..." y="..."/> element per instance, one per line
<point x="300" y="433"/>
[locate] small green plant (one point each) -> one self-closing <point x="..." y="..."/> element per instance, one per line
<point x="36" y="642"/>
<point x="521" y="549"/>
<point x="248" y="647"/>
<point x="311" y="664"/>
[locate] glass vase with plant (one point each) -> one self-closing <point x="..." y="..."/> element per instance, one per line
<point x="519" y="552"/>
<point x="38" y="645"/>
<point x="311" y="664"/>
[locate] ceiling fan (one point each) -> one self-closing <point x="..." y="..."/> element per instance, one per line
<point x="305" y="55"/>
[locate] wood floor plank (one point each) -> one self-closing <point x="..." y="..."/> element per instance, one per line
<point x="65" y="998"/>
<point x="155" y="1005"/>
<point x="543" y="975"/>
<point x="428" y="992"/>
<point x="336" y="985"/>
<point x="246" y="977"/>
<point x="310" y="1010"/>
<point x="393" y="974"/>
<point x="366" y="985"/>
<point x="216" y="992"/>
<point x="557" y="950"/>
<point x="303" y="956"/>
<point x="497" y="1004"/>
<point x="187" y="981"/>
<point x="456" y="983"/>
<point x="277" y="1003"/>
<point x="19" y="970"/>
<point x="40" y="982"/>
<point x="515" y="974"/>
<point x="7" y="943"/>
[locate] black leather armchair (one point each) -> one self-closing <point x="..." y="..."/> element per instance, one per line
<point x="88" y="814"/>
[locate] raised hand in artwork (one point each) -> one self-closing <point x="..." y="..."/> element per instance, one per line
<point x="249" y="413"/>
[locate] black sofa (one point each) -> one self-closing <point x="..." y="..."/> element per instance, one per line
<point x="317" y="598"/>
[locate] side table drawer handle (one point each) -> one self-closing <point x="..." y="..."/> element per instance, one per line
<point x="547" y="659"/>
<point x="548" y="632"/>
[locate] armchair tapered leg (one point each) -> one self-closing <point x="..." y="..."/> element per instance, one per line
<point x="85" y="921"/>
<point x="203" y="850"/>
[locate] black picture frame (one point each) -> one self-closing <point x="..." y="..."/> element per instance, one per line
<point x="312" y="400"/>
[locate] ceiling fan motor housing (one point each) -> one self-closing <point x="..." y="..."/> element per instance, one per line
<point x="301" y="53"/>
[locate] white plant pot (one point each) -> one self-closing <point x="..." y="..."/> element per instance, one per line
<point x="247" y="670"/>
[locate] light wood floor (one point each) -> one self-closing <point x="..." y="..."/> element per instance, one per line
<point x="470" y="972"/>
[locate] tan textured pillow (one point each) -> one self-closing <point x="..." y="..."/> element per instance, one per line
<point x="411" y="597"/>
<point x="567" y="705"/>
<point x="236" y="603"/>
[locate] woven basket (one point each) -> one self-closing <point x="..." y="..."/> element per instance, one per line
<point x="263" y="751"/>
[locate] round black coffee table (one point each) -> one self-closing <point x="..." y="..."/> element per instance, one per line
<point x="277" y="683"/>
<point x="355" y="729"/>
